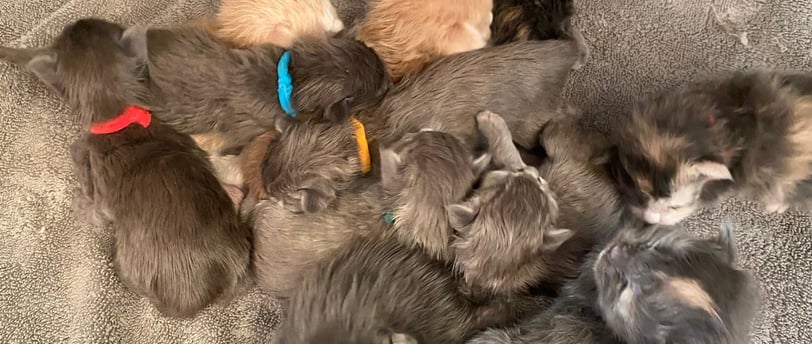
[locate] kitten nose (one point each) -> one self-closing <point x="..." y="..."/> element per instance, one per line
<point x="652" y="217"/>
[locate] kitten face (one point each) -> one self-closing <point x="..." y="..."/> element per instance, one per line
<point x="89" y="64"/>
<point x="661" y="285"/>
<point x="663" y="187"/>
<point x="339" y="77"/>
<point x="503" y="228"/>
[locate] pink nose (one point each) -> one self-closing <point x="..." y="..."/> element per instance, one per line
<point x="652" y="217"/>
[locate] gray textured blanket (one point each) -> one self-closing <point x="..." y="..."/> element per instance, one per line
<point x="56" y="282"/>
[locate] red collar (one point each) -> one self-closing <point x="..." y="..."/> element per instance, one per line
<point x="131" y="114"/>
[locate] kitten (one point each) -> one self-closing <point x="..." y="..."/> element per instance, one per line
<point x="279" y="22"/>
<point x="749" y="133"/>
<point x="522" y="20"/>
<point x="408" y="35"/>
<point x="179" y="242"/>
<point x="525" y="227"/>
<point x="310" y="163"/>
<point x="488" y="80"/>
<point x="286" y="244"/>
<point x="200" y="85"/>
<point x="652" y="285"/>
<point x="376" y="290"/>
<point x="325" y="158"/>
<point x="422" y="174"/>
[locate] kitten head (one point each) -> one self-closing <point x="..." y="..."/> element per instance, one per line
<point x="504" y="227"/>
<point x="309" y="163"/>
<point x="93" y="64"/>
<point x="336" y="77"/>
<point x="663" y="165"/>
<point x="661" y="285"/>
<point x="421" y="174"/>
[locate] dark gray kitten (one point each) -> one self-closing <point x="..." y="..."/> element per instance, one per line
<point x="178" y="238"/>
<point x="379" y="291"/>
<point x="652" y="285"/>
<point x="422" y="174"/>
<point x="449" y="93"/>
<point x="525" y="227"/>
<point x="286" y="244"/>
<point x="200" y="84"/>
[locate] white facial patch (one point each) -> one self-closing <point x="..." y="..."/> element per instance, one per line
<point x="671" y="210"/>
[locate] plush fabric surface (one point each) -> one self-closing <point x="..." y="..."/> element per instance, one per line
<point x="56" y="280"/>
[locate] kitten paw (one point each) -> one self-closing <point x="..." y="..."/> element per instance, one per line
<point x="492" y="125"/>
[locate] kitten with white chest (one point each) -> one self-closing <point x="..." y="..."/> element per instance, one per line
<point x="748" y="134"/>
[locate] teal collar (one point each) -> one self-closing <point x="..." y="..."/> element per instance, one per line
<point x="284" y="84"/>
<point x="389" y="218"/>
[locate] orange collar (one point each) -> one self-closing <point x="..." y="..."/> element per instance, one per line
<point x="131" y="115"/>
<point x="363" y="145"/>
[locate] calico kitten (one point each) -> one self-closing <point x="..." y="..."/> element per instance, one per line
<point x="524" y="20"/>
<point x="377" y="290"/>
<point x="179" y="242"/>
<point x="649" y="287"/>
<point x="287" y="244"/>
<point x="279" y="22"/>
<point x="525" y="227"/>
<point x="749" y="133"/>
<point x="408" y="35"/>
<point x="421" y="175"/>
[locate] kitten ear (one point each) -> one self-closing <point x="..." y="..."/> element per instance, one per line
<point x="710" y="170"/>
<point x="727" y="240"/>
<point x="339" y="112"/>
<point x="461" y="215"/>
<point x="401" y="338"/>
<point x="44" y="67"/>
<point x="481" y="164"/>
<point x="390" y="163"/>
<point x="134" y="42"/>
<point x="553" y="238"/>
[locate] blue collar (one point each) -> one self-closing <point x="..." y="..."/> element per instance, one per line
<point x="284" y="84"/>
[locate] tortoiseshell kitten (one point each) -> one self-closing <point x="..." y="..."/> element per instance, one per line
<point x="179" y="241"/>
<point x="652" y="285"/>
<point x="749" y="133"/>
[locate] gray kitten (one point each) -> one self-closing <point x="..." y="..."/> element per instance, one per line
<point x="525" y="227"/>
<point x="429" y="100"/>
<point x="179" y="242"/>
<point x="422" y="174"/>
<point x="749" y="133"/>
<point x="286" y="244"/>
<point x="449" y="93"/>
<point x="653" y="285"/>
<point x="379" y="291"/>
<point x="310" y="163"/>
<point x="200" y="84"/>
